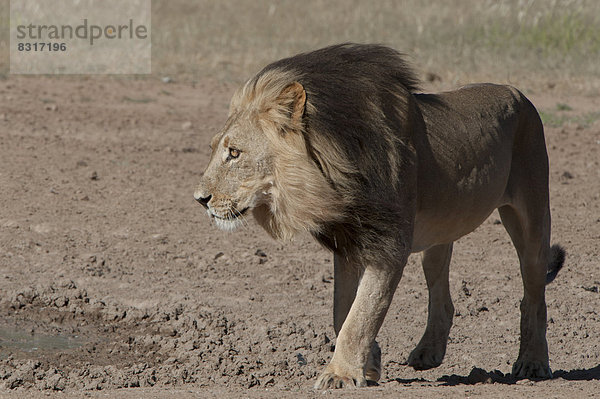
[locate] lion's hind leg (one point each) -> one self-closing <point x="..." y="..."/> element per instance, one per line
<point x="526" y="217"/>
<point x="529" y="229"/>
<point x="431" y="349"/>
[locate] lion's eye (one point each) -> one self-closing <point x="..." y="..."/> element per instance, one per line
<point x="233" y="153"/>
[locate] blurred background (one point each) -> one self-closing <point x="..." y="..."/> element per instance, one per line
<point x="524" y="42"/>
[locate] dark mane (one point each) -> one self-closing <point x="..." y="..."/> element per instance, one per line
<point x="358" y="110"/>
<point x="352" y="61"/>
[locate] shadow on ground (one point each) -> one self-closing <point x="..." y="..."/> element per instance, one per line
<point x="481" y="376"/>
<point x="580" y="374"/>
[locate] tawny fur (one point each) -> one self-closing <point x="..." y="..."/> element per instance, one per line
<point x="338" y="143"/>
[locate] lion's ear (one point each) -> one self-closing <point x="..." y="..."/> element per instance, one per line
<point x="293" y="98"/>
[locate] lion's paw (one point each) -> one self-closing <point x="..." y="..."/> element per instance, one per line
<point x="329" y="379"/>
<point x="425" y="358"/>
<point x="531" y="369"/>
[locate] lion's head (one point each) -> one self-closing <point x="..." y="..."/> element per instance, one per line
<point x="260" y="162"/>
<point x="239" y="173"/>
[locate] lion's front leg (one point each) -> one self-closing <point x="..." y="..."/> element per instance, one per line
<point x="347" y="275"/>
<point x="356" y="338"/>
<point x="431" y="349"/>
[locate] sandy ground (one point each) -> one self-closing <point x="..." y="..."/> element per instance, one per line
<point x="113" y="283"/>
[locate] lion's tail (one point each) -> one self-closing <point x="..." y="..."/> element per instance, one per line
<point x="557" y="256"/>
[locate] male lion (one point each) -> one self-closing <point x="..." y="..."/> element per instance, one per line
<point x="336" y="142"/>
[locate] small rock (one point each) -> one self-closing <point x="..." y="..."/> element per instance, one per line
<point x="593" y="288"/>
<point x="13" y="382"/>
<point x="186" y="125"/>
<point x="301" y="360"/>
<point x="94" y="176"/>
<point x="525" y="382"/>
<point x="61" y="301"/>
<point x="11" y="224"/>
<point x="42" y="228"/>
<point x="261" y="253"/>
<point x="30" y="365"/>
<point x="56" y="383"/>
<point x="268" y="381"/>
<point x="167" y="79"/>
<point x="51" y="107"/>
<point x="567" y="175"/>
<point x="262" y="256"/>
<point x="159" y="237"/>
<point x="218" y="255"/>
<point x="122" y="233"/>
<point x="465" y="289"/>
<point x="253" y="381"/>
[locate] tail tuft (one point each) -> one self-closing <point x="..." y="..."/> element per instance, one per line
<point x="557" y="255"/>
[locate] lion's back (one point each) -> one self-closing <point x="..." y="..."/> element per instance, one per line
<point x="466" y="128"/>
<point x="465" y="156"/>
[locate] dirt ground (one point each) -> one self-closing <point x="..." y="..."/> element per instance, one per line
<point x="113" y="283"/>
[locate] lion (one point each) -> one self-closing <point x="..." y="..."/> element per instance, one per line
<point x="339" y="143"/>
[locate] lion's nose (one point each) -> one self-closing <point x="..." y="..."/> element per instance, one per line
<point x="204" y="201"/>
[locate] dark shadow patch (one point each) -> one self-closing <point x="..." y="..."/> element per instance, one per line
<point x="407" y="381"/>
<point x="592" y="374"/>
<point x="478" y="376"/>
<point x="481" y="376"/>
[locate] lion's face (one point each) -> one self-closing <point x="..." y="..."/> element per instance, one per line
<point x="260" y="162"/>
<point x="239" y="173"/>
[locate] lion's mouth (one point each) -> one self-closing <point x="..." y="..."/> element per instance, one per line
<point x="232" y="214"/>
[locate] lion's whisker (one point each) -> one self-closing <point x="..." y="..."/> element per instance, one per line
<point x="241" y="217"/>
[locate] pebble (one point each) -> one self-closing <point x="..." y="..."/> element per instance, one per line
<point x="11" y="224"/>
<point x="42" y="228"/>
